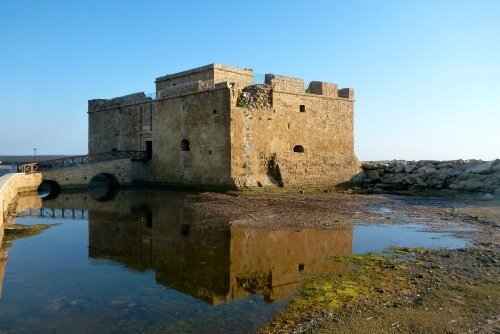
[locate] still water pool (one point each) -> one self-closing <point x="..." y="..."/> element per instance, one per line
<point x="152" y="264"/>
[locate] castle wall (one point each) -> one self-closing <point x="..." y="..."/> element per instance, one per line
<point x="275" y="134"/>
<point x="213" y="73"/>
<point x="118" y="123"/>
<point x="205" y="73"/>
<point x="202" y="118"/>
<point x="224" y="73"/>
<point x="285" y="84"/>
<point x="264" y="138"/>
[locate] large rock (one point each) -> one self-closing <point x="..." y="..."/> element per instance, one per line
<point x="399" y="168"/>
<point x="474" y="183"/>
<point x="459" y="185"/>
<point x="495" y="165"/>
<point x="410" y="168"/>
<point x="420" y="182"/>
<point x="427" y="170"/>
<point x="481" y="168"/>
<point x="434" y="181"/>
<point x="488" y="197"/>
<point x="369" y="165"/>
<point x="372" y="175"/>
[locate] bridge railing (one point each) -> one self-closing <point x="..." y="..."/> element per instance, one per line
<point x="54" y="213"/>
<point x="29" y="168"/>
<point x="79" y="160"/>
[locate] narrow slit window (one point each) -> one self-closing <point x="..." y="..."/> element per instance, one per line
<point x="149" y="149"/>
<point x="149" y="219"/>
<point x="302" y="108"/>
<point x="185" y="145"/>
<point x="185" y="230"/>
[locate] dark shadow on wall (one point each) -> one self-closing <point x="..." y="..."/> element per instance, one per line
<point x="273" y="171"/>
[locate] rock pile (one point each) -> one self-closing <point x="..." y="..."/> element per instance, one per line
<point x="255" y="97"/>
<point x="464" y="175"/>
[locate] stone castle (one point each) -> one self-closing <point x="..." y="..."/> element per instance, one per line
<point x="211" y="127"/>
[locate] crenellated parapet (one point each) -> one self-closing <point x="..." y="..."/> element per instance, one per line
<point x="346" y="93"/>
<point x="285" y="84"/>
<point x="323" y="88"/>
<point x="292" y="85"/>
<point x="101" y="104"/>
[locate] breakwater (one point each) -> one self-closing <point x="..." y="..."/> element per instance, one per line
<point x="462" y="175"/>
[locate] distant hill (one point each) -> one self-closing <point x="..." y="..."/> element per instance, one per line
<point x="10" y="159"/>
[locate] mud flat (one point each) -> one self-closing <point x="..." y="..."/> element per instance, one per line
<point x="404" y="290"/>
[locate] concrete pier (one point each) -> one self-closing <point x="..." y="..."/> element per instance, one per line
<point x="11" y="185"/>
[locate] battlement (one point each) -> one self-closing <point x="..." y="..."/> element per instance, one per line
<point x="292" y="85"/>
<point x="285" y="84"/>
<point x="347" y="93"/>
<point x="323" y="88"/>
<point x="215" y="73"/>
<point x="100" y="104"/>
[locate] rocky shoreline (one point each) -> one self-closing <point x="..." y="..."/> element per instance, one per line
<point x="461" y="175"/>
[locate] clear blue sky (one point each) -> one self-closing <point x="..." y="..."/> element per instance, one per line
<point x="426" y="73"/>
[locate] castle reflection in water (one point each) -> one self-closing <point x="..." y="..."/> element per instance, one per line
<point x="197" y="253"/>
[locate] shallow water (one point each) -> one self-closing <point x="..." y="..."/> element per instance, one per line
<point x="377" y="238"/>
<point x="149" y="262"/>
<point x="6" y="170"/>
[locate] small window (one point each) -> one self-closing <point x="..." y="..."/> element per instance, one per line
<point x="302" y="108"/>
<point x="301" y="267"/>
<point x="298" y="149"/>
<point x="149" y="219"/>
<point x="149" y="149"/>
<point x="184" y="230"/>
<point x="185" y="145"/>
<point x="214" y="112"/>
